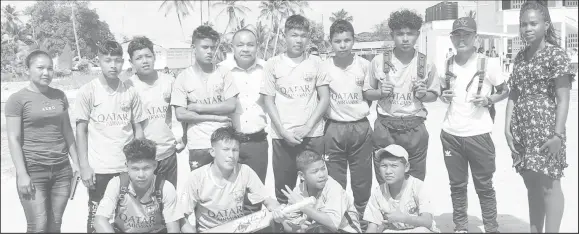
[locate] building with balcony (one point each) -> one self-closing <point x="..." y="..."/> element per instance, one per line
<point x="498" y="26"/>
<point x="503" y="17"/>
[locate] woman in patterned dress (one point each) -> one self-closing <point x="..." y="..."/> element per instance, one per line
<point x="536" y="115"/>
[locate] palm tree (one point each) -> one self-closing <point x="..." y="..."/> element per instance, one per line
<point x="269" y="12"/>
<point x="341" y="15"/>
<point x="277" y="12"/>
<point x="286" y="9"/>
<point x="182" y="8"/>
<point x="471" y="14"/>
<point x="233" y="11"/>
<point x="73" y="16"/>
<point x="11" y="18"/>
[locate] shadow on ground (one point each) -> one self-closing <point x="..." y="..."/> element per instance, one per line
<point x="507" y="223"/>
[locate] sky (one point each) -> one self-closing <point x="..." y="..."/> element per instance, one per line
<point x="131" y="18"/>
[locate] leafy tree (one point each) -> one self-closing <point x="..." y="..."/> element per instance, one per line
<point x="182" y="9"/>
<point x="341" y="15"/>
<point x="52" y="24"/>
<point x="382" y="31"/>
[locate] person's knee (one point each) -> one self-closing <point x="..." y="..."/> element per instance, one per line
<point x="38" y="224"/>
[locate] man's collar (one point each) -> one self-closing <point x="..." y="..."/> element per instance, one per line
<point x="232" y="64"/>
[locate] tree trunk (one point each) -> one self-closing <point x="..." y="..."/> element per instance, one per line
<point x="208" y="10"/>
<point x="276" y="37"/>
<point x="201" y="11"/>
<point x="267" y="38"/>
<point x="74" y="29"/>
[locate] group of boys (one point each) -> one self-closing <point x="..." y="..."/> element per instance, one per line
<point x="319" y="128"/>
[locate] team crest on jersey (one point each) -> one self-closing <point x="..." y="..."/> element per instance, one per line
<point x="309" y="76"/>
<point x="360" y="81"/>
<point x="238" y="195"/>
<point x="218" y="88"/>
<point x="167" y="97"/>
<point x="150" y="209"/>
<point x="125" y="106"/>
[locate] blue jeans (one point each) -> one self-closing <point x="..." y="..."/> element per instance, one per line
<point x="52" y="183"/>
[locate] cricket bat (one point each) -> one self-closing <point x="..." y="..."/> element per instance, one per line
<point x="258" y="220"/>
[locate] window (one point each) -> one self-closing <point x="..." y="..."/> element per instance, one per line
<point x="570" y="3"/>
<point x="571" y="40"/>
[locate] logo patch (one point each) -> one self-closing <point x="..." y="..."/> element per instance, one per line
<point x="218" y="88"/>
<point x="447" y="153"/>
<point x="125" y="106"/>
<point x="308" y="77"/>
<point x="462" y="22"/>
<point x="360" y="81"/>
<point x="194" y="164"/>
<point x="167" y="97"/>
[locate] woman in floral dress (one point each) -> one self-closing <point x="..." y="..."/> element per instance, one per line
<point x="536" y="115"/>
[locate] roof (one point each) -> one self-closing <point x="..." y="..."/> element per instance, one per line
<point x="369" y="45"/>
<point x="167" y="44"/>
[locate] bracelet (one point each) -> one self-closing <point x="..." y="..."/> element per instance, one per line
<point x="559" y="135"/>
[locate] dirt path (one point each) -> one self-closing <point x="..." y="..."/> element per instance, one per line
<point x="511" y="193"/>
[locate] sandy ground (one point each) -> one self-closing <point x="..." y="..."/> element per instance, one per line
<point x="511" y="193"/>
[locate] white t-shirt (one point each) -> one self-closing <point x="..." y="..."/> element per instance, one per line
<point x="412" y="200"/>
<point x="294" y="86"/>
<point x="463" y="118"/>
<point x="209" y="204"/>
<point x="195" y="86"/>
<point x="156" y="100"/>
<point x="346" y="90"/>
<point x="402" y="102"/>
<point x="110" y="116"/>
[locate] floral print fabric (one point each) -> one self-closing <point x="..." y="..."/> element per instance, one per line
<point x="533" y="119"/>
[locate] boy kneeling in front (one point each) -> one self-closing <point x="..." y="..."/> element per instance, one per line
<point x="400" y="204"/>
<point x="333" y="211"/>
<point x="139" y="201"/>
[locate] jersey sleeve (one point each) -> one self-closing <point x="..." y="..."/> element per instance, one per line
<point x="190" y="196"/>
<point x="83" y="103"/>
<point x="179" y="93"/>
<point x="171" y="211"/>
<point x="14" y="105"/>
<point x="230" y="89"/>
<point x="372" y="212"/>
<point x="137" y="107"/>
<point x="256" y="189"/>
<point x="372" y="75"/>
<point x="433" y="81"/>
<point x="424" y="202"/>
<point x="268" y="80"/>
<point x="322" y="77"/>
<point x="335" y="203"/>
<point x="108" y="203"/>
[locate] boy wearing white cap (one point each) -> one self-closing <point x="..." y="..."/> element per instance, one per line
<point x="399" y="204"/>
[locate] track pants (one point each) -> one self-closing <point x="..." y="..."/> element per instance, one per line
<point x="479" y="152"/>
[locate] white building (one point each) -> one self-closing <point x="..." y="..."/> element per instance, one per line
<point x="167" y="54"/>
<point x="503" y="17"/>
<point x="497" y="25"/>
